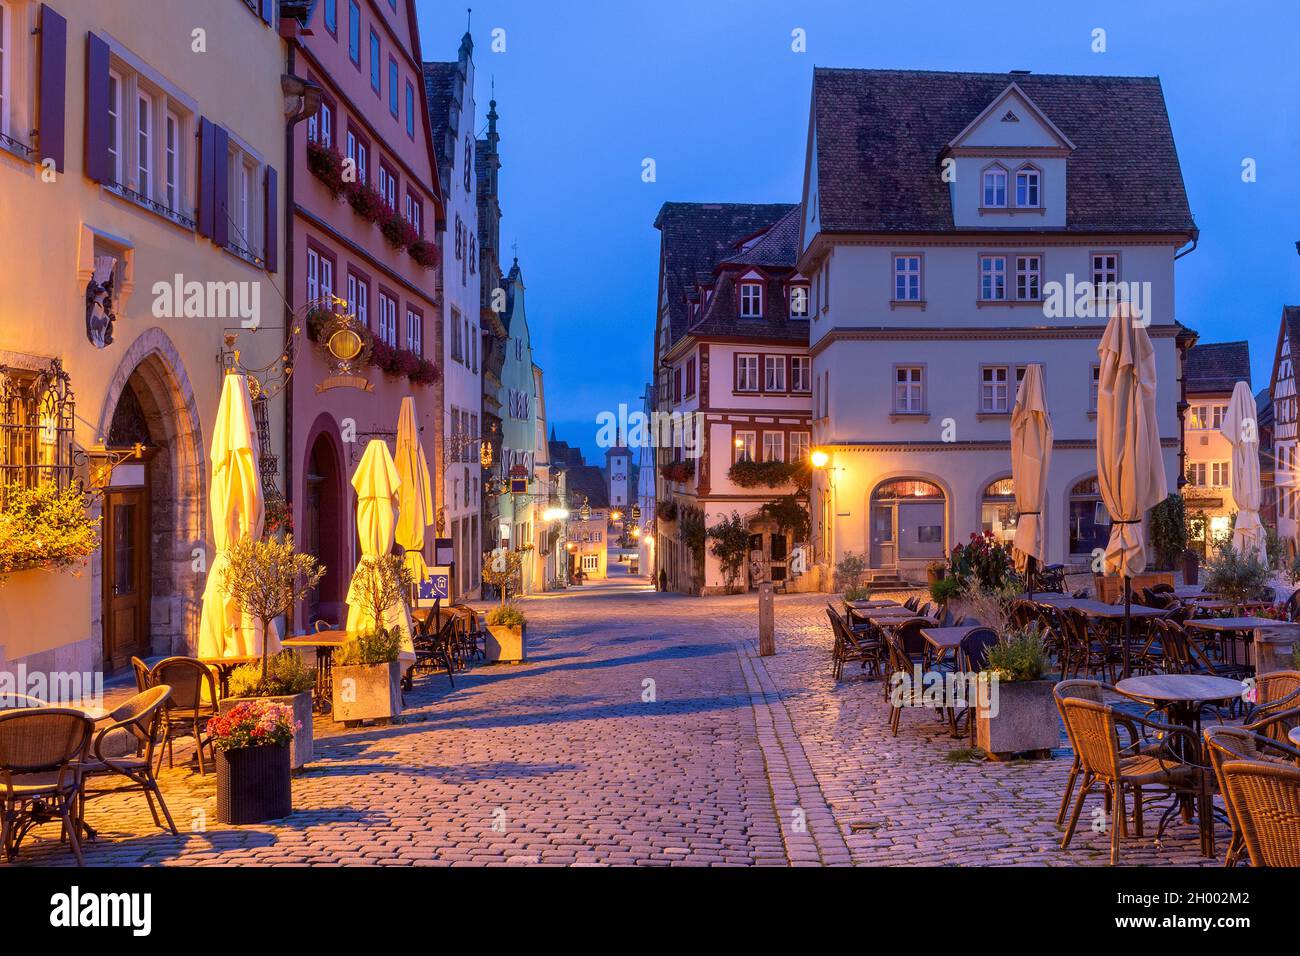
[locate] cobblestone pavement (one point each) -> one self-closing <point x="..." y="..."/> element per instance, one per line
<point x="644" y="730"/>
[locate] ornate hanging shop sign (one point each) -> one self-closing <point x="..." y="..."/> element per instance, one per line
<point x="347" y="345"/>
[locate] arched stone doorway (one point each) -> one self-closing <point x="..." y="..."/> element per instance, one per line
<point x="908" y="523"/>
<point x="323" y="505"/>
<point x="147" y="587"/>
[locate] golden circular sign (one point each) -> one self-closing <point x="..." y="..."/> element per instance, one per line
<point x="344" y="345"/>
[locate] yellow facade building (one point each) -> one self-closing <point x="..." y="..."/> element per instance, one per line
<point x="143" y="150"/>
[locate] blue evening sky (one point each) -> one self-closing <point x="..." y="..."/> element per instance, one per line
<point x="711" y="90"/>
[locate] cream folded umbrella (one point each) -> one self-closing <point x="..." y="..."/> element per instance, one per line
<point x="1031" y="456"/>
<point x="1241" y="428"/>
<point x="377" y="485"/>
<point x="415" y="496"/>
<point x="237" y="510"/>
<point x="1130" y="462"/>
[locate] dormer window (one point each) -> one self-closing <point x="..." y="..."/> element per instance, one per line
<point x="995" y="187"/>
<point x="1027" y="188"/>
<point x="798" y="302"/>
<point x="751" y="300"/>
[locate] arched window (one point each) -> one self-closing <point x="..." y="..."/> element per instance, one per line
<point x="998" y="509"/>
<point x="908" y="522"/>
<point x="1028" y="194"/>
<point x="1087" y="533"/>
<point x="995" y="187"/>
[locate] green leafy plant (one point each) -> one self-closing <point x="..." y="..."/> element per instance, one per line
<point x="1275" y="547"/>
<point x="945" y="589"/>
<point x="859" y="593"/>
<point x="984" y="563"/>
<point x="507" y="615"/>
<point x="326" y="164"/>
<point x="1019" y="655"/>
<point x="850" y="570"/>
<point x="730" y="546"/>
<point x="503" y="569"/>
<point x="267" y="578"/>
<point x="692" y="530"/>
<point x="790" y="516"/>
<point x="761" y="474"/>
<point x="1237" y="577"/>
<point x="1295" y="570"/>
<point x="286" y="674"/>
<point x="45" y="526"/>
<point x="380" y="647"/>
<point x="1169" y="530"/>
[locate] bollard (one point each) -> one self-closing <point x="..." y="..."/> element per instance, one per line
<point x="766" y="626"/>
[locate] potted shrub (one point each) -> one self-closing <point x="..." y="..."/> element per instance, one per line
<point x="934" y="572"/>
<point x="252" y="746"/>
<point x="367" y="673"/>
<point x="944" y="590"/>
<point x="1239" y="577"/>
<point x="505" y="643"/>
<point x="1016" y="711"/>
<point x="368" y="677"/>
<point x="288" y="681"/>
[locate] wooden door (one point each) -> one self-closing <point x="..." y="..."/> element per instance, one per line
<point x="126" y="576"/>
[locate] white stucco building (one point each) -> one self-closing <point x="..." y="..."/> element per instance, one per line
<point x="450" y="90"/>
<point x="521" y="433"/>
<point x="1284" y="423"/>
<point x="939" y="210"/>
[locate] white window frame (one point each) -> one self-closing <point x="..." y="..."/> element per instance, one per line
<point x="1029" y="278"/>
<point x="751" y="300"/>
<point x="993" y="181"/>
<point x="993" y="278"/>
<point x="387" y="330"/>
<point x="313" y="275"/>
<point x="1029" y="180"/>
<point x="800" y="446"/>
<point x="907" y="278"/>
<point x="909" y="389"/>
<point x="1105" y="269"/>
<point x="773" y="446"/>
<point x="1220" y="474"/>
<point x="6" y="63"/>
<point x="1094" y="386"/>
<point x="747" y="372"/>
<point x="774" y="373"/>
<point x="800" y="373"/>
<point x="414" y="332"/>
<point x="744" y="445"/>
<point x="144" y="127"/>
<point x="116" y="86"/>
<point x="800" y="307"/>
<point x="1196" y="474"/>
<point x="172" y="162"/>
<point x="997" y="393"/>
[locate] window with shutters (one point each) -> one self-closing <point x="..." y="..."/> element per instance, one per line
<point x="245" y="203"/>
<point x="414" y="331"/>
<point x="115" y="124"/>
<point x="6" y="64"/>
<point x="354" y="33"/>
<point x="386" y="331"/>
<point x="375" y="81"/>
<point x="359" y="298"/>
<point x="320" y="275"/>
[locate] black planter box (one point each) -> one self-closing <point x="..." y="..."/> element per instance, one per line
<point x="253" y="784"/>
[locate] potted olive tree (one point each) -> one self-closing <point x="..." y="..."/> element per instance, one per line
<point x="265" y="579"/>
<point x="367" y="674"/>
<point x="252" y="745"/>
<point x="1016" y="711"/>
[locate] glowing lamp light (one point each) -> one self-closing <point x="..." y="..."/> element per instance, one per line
<point x="485" y="454"/>
<point x="739" y="443"/>
<point x="636" y="532"/>
<point x="554" y="514"/>
<point x="819" y="458"/>
<point x="616" y="516"/>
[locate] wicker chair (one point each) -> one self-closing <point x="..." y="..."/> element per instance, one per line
<point x="433" y="643"/>
<point x="39" y="750"/>
<point x="187" y="709"/>
<point x="1095" y="691"/>
<point x="902" y="689"/>
<point x="853" y="644"/>
<point x="1225" y="744"/>
<point x="142" y="678"/>
<point x="1266" y="798"/>
<point x="136" y="724"/>
<point x="1275" y="693"/>
<point x="1093" y="729"/>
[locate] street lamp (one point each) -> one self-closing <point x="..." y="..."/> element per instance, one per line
<point x="819" y="458"/>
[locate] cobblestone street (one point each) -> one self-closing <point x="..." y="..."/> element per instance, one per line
<point x="643" y="730"/>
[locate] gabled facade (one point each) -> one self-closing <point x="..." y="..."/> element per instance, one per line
<point x="946" y="258"/>
<point x="492" y="330"/>
<point x="373" y="123"/>
<point x="133" y="172"/>
<point x="1283" y="388"/>
<point x="733" y="356"/>
<point x="1210" y="372"/>
<point x="450" y="91"/>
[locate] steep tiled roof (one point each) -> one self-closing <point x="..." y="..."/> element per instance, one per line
<point x="441" y="90"/>
<point x="586" y="480"/>
<point x="1264" y="408"/>
<point x="779" y="246"/>
<point x="1216" y="367"/>
<point x="696" y="237"/>
<point x="880" y="134"/>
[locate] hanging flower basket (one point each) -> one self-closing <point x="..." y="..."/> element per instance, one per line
<point x="424" y="252"/>
<point x="366" y="202"/>
<point x="760" y="474"/>
<point x="326" y="164"/>
<point x="45" y="527"/>
<point x="399" y="233"/>
<point x="426" y="373"/>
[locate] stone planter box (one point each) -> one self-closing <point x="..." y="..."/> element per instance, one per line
<point x="303" y="747"/>
<point x="1025" y="718"/>
<point x="505" y="645"/>
<point x="367" y="691"/>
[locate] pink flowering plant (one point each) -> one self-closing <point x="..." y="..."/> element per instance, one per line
<point x="253" y="723"/>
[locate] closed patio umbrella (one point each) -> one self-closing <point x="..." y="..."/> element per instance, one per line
<point x="415" y="496"/>
<point x="237" y="509"/>
<point x="1130" y="465"/>
<point x="1242" y="430"/>
<point x="1031" y="456"/>
<point x="377" y="486"/>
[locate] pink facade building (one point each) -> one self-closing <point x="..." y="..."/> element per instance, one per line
<point x="363" y="207"/>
